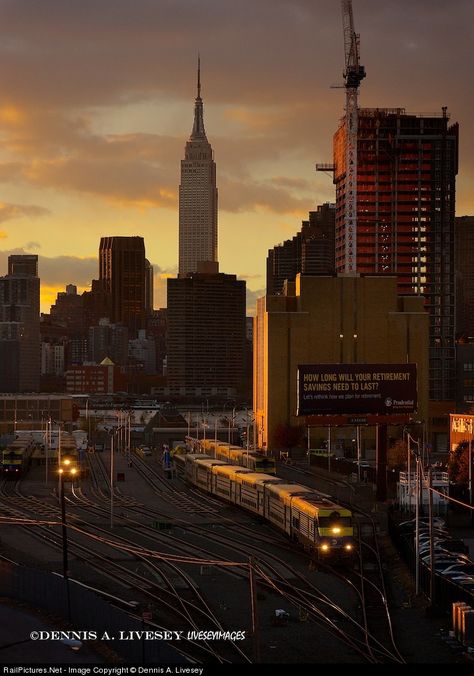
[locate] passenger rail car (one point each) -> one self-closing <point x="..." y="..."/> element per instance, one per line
<point x="236" y="455"/>
<point x="305" y="515"/>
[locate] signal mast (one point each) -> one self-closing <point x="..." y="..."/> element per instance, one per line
<point x="353" y="74"/>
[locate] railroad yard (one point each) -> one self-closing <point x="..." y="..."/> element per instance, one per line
<point x="180" y="560"/>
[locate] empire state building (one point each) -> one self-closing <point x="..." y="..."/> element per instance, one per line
<point x="197" y="197"/>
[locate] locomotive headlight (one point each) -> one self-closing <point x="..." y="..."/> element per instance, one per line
<point x="325" y="547"/>
<point x="336" y="530"/>
<point x="348" y="547"/>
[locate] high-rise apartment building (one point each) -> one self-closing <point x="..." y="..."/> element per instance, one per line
<point x="310" y="251"/>
<point x="20" y="325"/>
<point x="464" y="256"/>
<point x="197" y="197"/>
<point x="123" y="277"/>
<point x="403" y="218"/>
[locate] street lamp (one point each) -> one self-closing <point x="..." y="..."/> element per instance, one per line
<point x="112" y="433"/>
<point x="67" y="472"/>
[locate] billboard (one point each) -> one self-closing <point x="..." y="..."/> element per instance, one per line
<point x="356" y="388"/>
<point x="461" y="429"/>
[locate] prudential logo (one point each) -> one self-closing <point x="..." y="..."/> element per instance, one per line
<point x="388" y="402"/>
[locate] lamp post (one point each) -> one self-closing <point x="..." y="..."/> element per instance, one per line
<point x="112" y="433"/>
<point x="66" y="471"/>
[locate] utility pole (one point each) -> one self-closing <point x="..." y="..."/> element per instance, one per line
<point x="253" y="602"/>
<point x="432" y="551"/>
<point x="417" y="529"/>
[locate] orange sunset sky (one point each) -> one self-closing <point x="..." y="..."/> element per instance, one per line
<point x="96" y="104"/>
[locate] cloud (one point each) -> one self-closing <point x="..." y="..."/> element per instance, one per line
<point x="97" y="102"/>
<point x="250" y="195"/>
<point x="252" y="297"/>
<point x="59" y="270"/>
<point x="9" y="211"/>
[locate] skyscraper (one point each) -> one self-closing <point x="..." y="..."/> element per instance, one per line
<point x="197" y="196"/>
<point x="206" y="334"/>
<point x="404" y="217"/>
<point x="465" y="277"/>
<point x="19" y="325"/>
<point x="123" y="275"/>
<point x="310" y="251"/>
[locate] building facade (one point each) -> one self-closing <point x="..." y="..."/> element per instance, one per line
<point x="311" y="251"/>
<point x="404" y="217"/>
<point x="464" y="256"/>
<point x="30" y="412"/>
<point x="206" y="333"/>
<point x="123" y="277"/>
<point x="197" y="197"/>
<point x="331" y="320"/>
<point x="108" y="340"/>
<point x="103" y="378"/>
<point x="20" y="326"/>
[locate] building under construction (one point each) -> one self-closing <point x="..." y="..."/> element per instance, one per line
<point x="403" y="220"/>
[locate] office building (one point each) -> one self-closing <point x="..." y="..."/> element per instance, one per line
<point x="20" y="325"/>
<point x="123" y="274"/>
<point x="206" y="333"/>
<point x="464" y="256"/>
<point x="197" y="197"/>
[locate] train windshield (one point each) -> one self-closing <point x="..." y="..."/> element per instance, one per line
<point x="330" y="521"/>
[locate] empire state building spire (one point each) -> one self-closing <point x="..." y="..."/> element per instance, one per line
<point x="197" y="196"/>
<point x="198" y="127"/>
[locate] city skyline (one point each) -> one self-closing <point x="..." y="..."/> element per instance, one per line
<point x="96" y="109"/>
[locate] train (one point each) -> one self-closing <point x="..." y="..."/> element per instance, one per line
<point x="16" y="458"/>
<point x="304" y="514"/>
<point x="234" y="455"/>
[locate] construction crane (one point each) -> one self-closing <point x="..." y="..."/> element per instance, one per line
<point x="354" y="73"/>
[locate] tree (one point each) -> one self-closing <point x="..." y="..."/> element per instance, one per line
<point x="397" y="455"/>
<point x="458" y="466"/>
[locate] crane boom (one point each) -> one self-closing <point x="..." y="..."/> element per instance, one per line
<point x="353" y="74"/>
